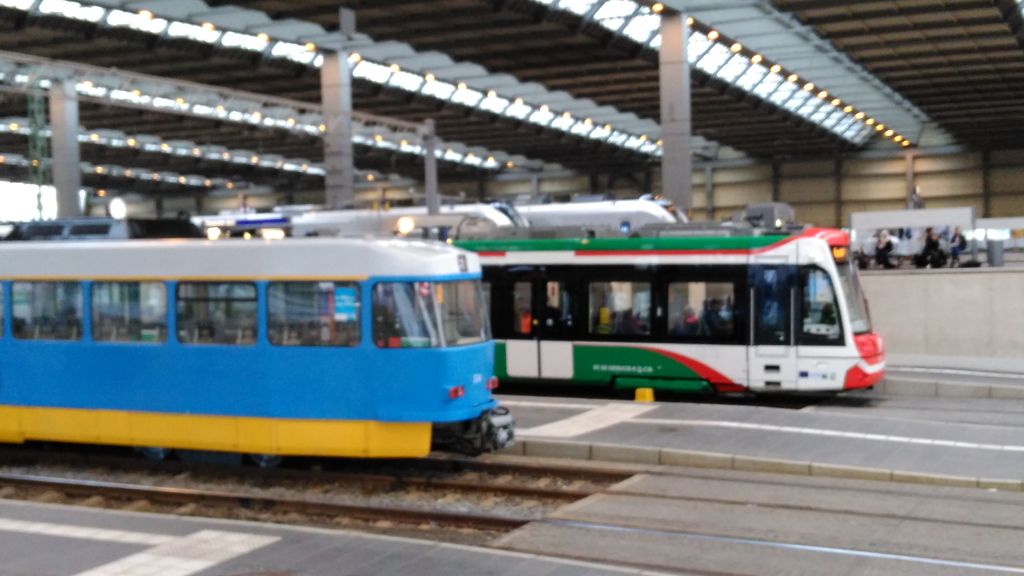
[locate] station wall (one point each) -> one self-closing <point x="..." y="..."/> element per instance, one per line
<point x="823" y="191"/>
<point x="958" y="318"/>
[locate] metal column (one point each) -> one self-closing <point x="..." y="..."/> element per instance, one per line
<point x="430" y="167"/>
<point x="65" y="165"/>
<point x="339" y="163"/>
<point x="676" y="129"/>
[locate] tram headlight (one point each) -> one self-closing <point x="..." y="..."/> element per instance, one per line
<point x="405" y="225"/>
<point x="214" y="233"/>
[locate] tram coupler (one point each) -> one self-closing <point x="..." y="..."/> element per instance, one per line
<point x="491" y="431"/>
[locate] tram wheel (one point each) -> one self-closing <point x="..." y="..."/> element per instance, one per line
<point x="154" y="452"/>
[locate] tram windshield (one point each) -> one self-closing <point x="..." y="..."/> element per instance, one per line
<point x="860" y="321"/>
<point x="429" y="314"/>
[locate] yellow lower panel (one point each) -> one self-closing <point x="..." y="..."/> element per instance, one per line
<point x="289" y="437"/>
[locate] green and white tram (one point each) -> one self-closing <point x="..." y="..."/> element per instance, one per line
<point x="768" y="313"/>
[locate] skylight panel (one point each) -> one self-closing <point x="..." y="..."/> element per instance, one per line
<point x="635" y="142"/>
<point x="582" y="128"/>
<point x="737" y="65"/>
<point x="642" y="28"/>
<point x="578" y="7"/>
<point x="563" y="123"/>
<point x="833" y="119"/>
<point x="751" y="77"/>
<point x="376" y="73"/>
<point x="613" y="24"/>
<point x="714" y="58"/>
<point x="649" y="147"/>
<point x="696" y="45"/>
<point x="244" y="41"/>
<point x="811" y="106"/>
<point x="406" y="80"/>
<point x="193" y="32"/>
<point x="769" y="85"/>
<point x="136" y="21"/>
<point x="467" y="96"/>
<point x="72" y="10"/>
<point x="797" y="100"/>
<point x="616" y="9"/>
<point x="452" y="156"/>
<point x="847" y="127"/>
<point x="438" y="89"/>
<point x="17" y="4"/>
<point x="494" y="103"/>
<point x="299" y="53"/>
<point x="783" y="92"/>
<point x="518" y="110"/>
<point x="618" y="138"/>
<point x="542" y="116"/>
<point x="599" y="133"/>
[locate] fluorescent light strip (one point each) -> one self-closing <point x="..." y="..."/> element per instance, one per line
<point x="730" y="63"/>
<point x="308" y="55"/>
<point x="141" y="174"/>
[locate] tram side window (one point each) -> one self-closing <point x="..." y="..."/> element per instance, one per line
<point x="820" y="325"/>
<point x="404" y="315"/>
<point x="216" y="313"/>
<point x="313" y="314"/>
<point x="522" y="308"/>
<point x="47" y="310"/>
<point x="620" y="308"/>
<point x="129" y="312"/>
<point x="701" y="309"/>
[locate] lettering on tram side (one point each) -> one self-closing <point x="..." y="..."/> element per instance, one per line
<point x="818" y="375"/>
<point x="623" y="368"/>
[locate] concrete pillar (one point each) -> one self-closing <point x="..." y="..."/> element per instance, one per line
<point x="65" y="153"/>
<point x="676" y="125"/>
<point x="986" y="184"/>
<point x="912" y="199"/>
<point x="837" y="175"/>
<point x="709" y="192"/>
<point x="430" y="167"/>
<point x="339" y="161"/>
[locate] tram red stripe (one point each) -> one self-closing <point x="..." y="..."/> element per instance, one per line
<point x="720" y="381"/>
<point x="490" y="254"/>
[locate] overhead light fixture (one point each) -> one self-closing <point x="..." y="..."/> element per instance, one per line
<point x="889" y="133"/>
<point x="736" y="47"/>
<point x="208" y="26"/>
<point x="658" y="8"/>
<point x="756" y="59"/>
<point x="429" y="77"/>
<point x="263" y="36"/>
<point x="310" y="47"/>
<point x="713" y="35"/>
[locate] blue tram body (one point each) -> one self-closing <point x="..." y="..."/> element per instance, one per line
<point x="372" y="396"/>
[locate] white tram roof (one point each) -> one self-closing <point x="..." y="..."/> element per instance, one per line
<point x="307" y="259"/>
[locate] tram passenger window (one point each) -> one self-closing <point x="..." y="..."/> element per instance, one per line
<point x="820" y="324"/>
<point x="701" y="309"/>
<point x="404" y="315"/>
<point x="463" y="314"/>
<point x="313" y="314"/>
<point x="216" y="313"/>
<point x="129" y="312"/>
<point x="620" y="308"/>
<point x="47" y="310"/>
<point x="522" y="308"/>
<point x="557" y="309"/>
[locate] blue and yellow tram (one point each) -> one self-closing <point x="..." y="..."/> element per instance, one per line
<point x="330" y="347"/>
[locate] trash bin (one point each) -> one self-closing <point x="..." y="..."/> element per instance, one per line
<point x="995" y="252"/>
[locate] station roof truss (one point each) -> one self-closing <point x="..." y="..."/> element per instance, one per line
<point x="960" y="61"/>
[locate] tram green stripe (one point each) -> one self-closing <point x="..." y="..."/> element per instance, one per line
<point x="594" y="244"/>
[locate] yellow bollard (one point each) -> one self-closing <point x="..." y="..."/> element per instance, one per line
<point x="644" y="395"/>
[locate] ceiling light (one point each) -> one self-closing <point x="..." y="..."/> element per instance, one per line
<point x="898" y="138"/>
<point x="658" y="8"/>
<point x="905" y="143"/>
<point x="146" y="14"/>
<point x="510" y="164"/>
<point x="429" y="77"/>
<point x="370" y="177"/>
<point x="713" y="35"/>
<point x="689" y="21"/>
<point x="775" y="69"/>
<point x="823" y="94"/>
<point x="756" y="59"/>
<point x="736" y="47"/>
<point x="836" y="102"/>
<point x="395" y="68"/>
<point x="848" y="109"/>
<point x="355" y="57"/>
<point x="263" y="36"/>
<point x="492" y="94"/>
<point x="208" y="26"/>
<point x="792" y="78"/>
<point x="461" y="86"/>
<point x="889" y="133"/>
<point x="859" y="115"/>
<point x="310" y="47"/>
<point x="809" y="86"/>
<point x="870" y="121"/>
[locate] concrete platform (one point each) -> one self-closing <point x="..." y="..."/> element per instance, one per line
<point x="741" y="523"/>
<point x="51" y="540"/>
<point x="856" y="438"/>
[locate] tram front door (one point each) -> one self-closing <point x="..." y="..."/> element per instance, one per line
<point x="540" y="345"/>
<point x="772" y="355"/>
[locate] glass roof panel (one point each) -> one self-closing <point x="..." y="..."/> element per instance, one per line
<point x="797" y="100"/>
<point x="616" y="9"/>
<point x="467" y="96"/>
<point x="737" y="65"/>
<point x="768" y="85"/>
<point x="642" y="27"/>
<point x="696" y="45"/>
<point x="783" y="92"/>
<point x="751" y="77"/>
<point x="439" y="89"/>
<point x="406" y="81"/>
<point x="714" y="58"/>
<point x="579" y="7"/>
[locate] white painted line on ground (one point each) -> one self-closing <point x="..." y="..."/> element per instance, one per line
<point x="832" y="433"/>
<point x="83" y="532"/>
<point x="553" y="405"/>
<point x="957" y="372"/>
<point x="589" y="421"/>
<point x="184" y="556"/>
